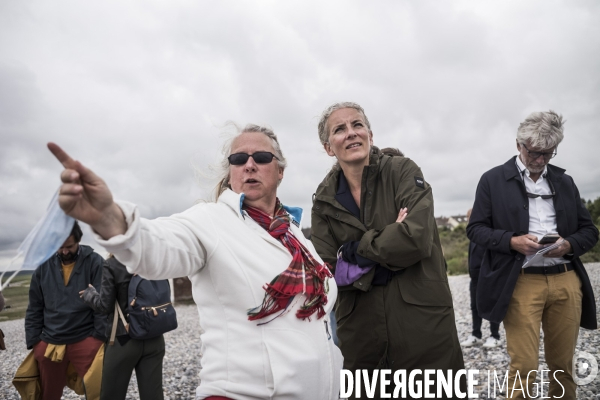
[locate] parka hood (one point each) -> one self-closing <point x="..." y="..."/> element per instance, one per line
<point x="328" y="187"/>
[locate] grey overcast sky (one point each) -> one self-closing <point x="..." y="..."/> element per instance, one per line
<point x="140" y="91"/>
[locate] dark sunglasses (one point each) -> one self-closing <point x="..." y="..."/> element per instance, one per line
<point x="536" y="154"/>
<point x="543" y="196"/>
<point x="260" y="157"/>
<point x="535" y="196"/>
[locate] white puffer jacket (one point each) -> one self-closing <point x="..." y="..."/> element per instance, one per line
<point x="228" y="258"/>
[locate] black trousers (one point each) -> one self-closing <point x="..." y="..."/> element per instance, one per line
<point x="477" y="320"/>
<point x="145" y="356"/>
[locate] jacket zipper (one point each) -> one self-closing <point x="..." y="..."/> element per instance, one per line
<point x="155" y="309"/>
<point x="364" y="199"/>
<point x="330" y="359"/>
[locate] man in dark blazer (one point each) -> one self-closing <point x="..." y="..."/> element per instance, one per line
<point x="515" y="206"/>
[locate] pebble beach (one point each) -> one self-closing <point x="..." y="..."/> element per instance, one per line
<point x="181" y="363"/>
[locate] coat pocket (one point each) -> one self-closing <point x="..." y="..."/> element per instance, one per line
<point x="298" y="368"/>
<point x="345" y="305"/>
<point x="422" y="292"/>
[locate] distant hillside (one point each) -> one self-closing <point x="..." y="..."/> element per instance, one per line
<point x="16" y="296"/>
<point x="455" y="246"/>
<point x="21" y="272"/>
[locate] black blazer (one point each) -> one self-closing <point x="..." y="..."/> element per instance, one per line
<point x="501" y="211"/>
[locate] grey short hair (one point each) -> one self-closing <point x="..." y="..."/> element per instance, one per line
<point x="542" y="130"/>
<point x="323" y="134"/>
<point x="224" y="164"/>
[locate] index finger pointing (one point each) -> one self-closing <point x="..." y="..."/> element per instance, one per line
<point x="61" y="155"/>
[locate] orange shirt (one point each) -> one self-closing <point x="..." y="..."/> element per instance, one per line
<point x="67" y="269"/>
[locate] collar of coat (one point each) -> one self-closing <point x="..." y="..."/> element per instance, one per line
<point x="329" y="186"/>
<point x="511" y="171"/>
<point x="236" y="200"/>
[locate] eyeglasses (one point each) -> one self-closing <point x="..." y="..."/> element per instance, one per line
<point x="260" y="157"/>
<point x="536" y="154"/>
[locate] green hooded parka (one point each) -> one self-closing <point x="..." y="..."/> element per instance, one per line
<point x="409" y="323"/>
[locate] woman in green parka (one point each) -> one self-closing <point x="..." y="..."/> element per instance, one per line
<point x="375" y="212"/>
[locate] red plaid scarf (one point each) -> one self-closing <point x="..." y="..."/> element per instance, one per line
<point x="304" y="275"/>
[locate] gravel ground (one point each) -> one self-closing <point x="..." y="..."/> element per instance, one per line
<point x="497" y="359"/>
<point x="181" y="364"/>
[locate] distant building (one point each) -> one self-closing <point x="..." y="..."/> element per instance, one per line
<point x="451" y="222"/>
<point x="459" y="219"/>
<point x="442" y="223"/>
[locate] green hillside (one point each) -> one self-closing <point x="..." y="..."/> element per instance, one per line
<point x="16" y="296"/>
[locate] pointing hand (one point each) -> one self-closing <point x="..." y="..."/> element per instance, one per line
<point x="85" y="196"/>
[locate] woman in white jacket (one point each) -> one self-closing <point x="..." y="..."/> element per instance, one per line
<point x="264" y="296"/>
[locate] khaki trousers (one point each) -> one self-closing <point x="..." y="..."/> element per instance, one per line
<point x="554" y="302"/>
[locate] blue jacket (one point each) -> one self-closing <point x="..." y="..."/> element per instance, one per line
<point x="501" y="211"/>
<point x="56" y="314"/>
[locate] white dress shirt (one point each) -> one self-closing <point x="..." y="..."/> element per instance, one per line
<point x="542" y="216"/>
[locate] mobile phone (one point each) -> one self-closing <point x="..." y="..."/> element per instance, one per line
<point x="549" y="238"/>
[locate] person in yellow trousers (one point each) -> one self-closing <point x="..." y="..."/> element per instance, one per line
<point x="27" y="377"/>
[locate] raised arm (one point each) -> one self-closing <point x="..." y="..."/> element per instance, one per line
<point x="85" y="196"/>
<point x="162" y="248"/>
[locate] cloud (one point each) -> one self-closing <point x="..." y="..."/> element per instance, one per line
<point x="140" y="92"/>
